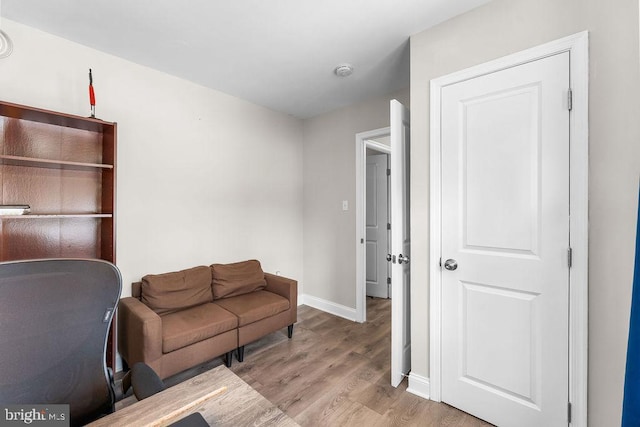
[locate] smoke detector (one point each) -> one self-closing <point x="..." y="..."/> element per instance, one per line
<point x="6" y="47"/>
<point x="343" y="70"/>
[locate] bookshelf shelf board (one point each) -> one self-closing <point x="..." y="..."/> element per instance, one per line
<point x="49" y="163"/>
<point x="54" y="216"/>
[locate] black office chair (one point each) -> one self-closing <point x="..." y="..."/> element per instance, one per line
<point x="54" y="320"/>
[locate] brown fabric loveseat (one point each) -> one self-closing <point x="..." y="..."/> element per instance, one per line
<point x="177" y="320"/>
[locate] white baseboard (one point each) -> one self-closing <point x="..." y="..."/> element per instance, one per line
<point x="328" y="306"/>
<point x="418" y="385"/>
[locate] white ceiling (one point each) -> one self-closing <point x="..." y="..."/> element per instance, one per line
<point x="277" y="53"/>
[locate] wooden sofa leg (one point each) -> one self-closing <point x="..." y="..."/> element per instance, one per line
<point x="240" y="354"/>
<point x="290" y="330"/>
<point x="229" y="359"/>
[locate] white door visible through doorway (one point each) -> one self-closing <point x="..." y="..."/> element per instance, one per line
<point x="505" y="241"/>
<point x="377" y="218"/>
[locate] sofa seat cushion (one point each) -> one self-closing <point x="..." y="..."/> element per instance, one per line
<point x="189" y="326"/>
<point x="254" y="306"/>
<point x="169" y="292"/>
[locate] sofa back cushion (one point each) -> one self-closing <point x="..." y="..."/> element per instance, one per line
<point x="230" y="280"/>
<point x="169" y="292"/>
<point x="136" y="290"/>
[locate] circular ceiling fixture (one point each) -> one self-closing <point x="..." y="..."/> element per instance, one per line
<point x="343" y="70"/>
<point x="6" y="47"/>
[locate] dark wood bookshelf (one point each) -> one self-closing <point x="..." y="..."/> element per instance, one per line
<point x="64" y="167"/>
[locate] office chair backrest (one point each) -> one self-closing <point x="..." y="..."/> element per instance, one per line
<point x="54" y="321"/>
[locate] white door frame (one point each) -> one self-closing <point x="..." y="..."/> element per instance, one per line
<point x="364" y="141"/>
<point x="577" y="46"/>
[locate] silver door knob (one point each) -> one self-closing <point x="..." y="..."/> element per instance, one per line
<point x="451" y="264"/>
<point x="403" y="259"/>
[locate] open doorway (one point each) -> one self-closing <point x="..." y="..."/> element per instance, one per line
<point x="372" y="151"/>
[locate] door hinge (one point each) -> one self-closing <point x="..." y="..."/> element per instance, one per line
<point x="569" y="257"/>
<point x="388" y="280"/>
<point x="388" y="172"/>
<point x="388" y="226"/>
<point x="569" y="412"/>
<point x="569" y="99"/>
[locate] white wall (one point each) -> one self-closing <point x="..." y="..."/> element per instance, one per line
<point x="507" y="26"/>
<point x="330" y="178"/>
<point x="202" y="176"/>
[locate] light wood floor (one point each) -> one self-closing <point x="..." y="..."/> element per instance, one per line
<point x="335" y="372"/>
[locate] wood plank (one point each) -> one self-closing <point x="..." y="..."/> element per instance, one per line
<point x="218" y="394"/>
<point x="182" y="412"/>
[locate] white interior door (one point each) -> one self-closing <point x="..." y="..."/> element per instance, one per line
<point x="377" y="218"/>
<point x="505" y="225"/>
<point x="400" y="244"/>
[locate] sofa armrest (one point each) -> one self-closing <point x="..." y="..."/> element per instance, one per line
<point x="140" y="332"/>
<point x="287" y="288"/>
